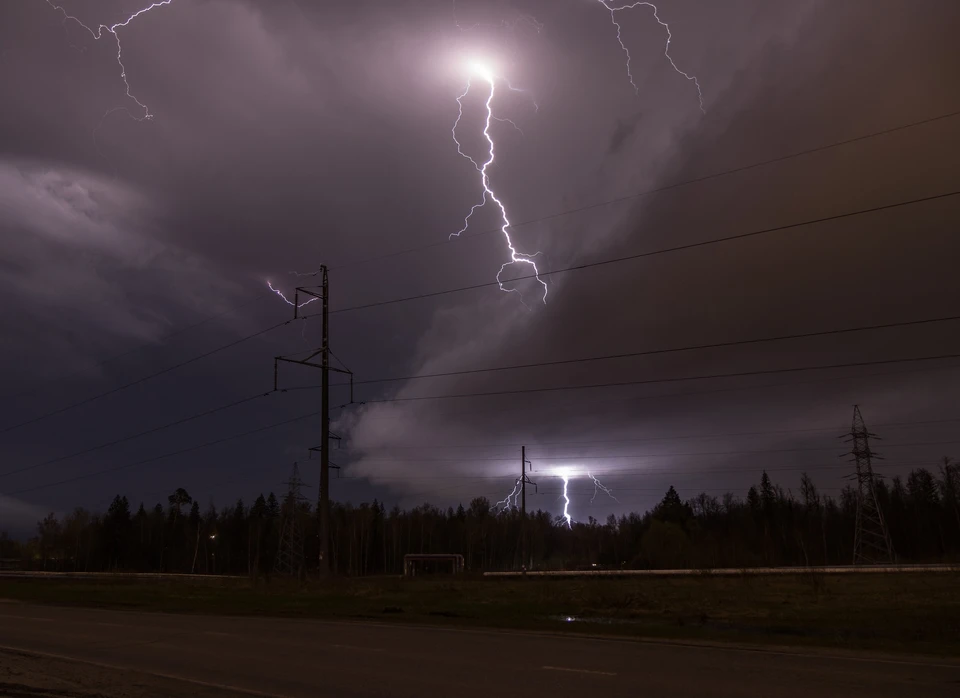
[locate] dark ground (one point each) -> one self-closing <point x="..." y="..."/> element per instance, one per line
<point x="906" y="612"/>
<point x="295" y="657"/>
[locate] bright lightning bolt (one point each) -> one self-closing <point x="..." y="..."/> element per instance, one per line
<point x="299" y="275"/>
<point x="598" y="486"/>
<point x="112" y="29"/>
<point x="514" y="495"/>
<point x="287" y="300"/>
<point x="566" y="502"/>
<point x="488" y="194"/>
<point x="666" y="51"/>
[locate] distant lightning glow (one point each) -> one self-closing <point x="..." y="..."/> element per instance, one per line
<point x="614" y="9"/>
<point x="598" y="487"/>
<point x="112" y="29"/>
<point x="487" y="75"/>
<point x="566" y="502"/>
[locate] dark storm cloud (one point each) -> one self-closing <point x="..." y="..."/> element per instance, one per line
<point x="80" y="247"/>
<point x="290" y="134"/>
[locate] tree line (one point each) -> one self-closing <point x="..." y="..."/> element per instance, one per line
<point x="771" y="526"/>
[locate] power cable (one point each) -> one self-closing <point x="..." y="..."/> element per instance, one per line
<point x="742" y="388"/>
<point x="163" y="456"/>
<point x="574" y="268"/>
<point x="624" y="472"/>
<point x="651" y="253"/>
<point x="634" y="456"/>
<point x="537" y="443"/>
<point x="150" y="376"/>
<point x="646" y="192"/>
<point x="669" y="350"/>
<point x="131" y="437"/>
<point x="159" y="340"/>
<point x="617" y="384"/>
<point x="516" y="225"/>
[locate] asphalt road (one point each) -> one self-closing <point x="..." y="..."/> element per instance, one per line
<point x="289" y="657"/>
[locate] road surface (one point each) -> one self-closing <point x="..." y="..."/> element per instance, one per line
<point x="294" y="658"/>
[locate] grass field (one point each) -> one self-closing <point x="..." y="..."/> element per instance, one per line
<point x="896" y="612"/>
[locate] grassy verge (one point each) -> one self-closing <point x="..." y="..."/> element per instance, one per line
<point x="897" y="612"/>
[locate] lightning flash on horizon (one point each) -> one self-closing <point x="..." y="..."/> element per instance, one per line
<point x="112" y="29"/>
<point x="487" y="76"/>
<point x="614" y="8"/>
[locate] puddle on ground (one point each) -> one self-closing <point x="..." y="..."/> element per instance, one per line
<point x="595" y="620"/>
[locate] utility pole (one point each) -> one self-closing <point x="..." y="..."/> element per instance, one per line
<point x="871" y="541"/>
<point x="523" y="509"/>
<point x="290" y="551"/>
<point x="524" y="559"/>
<point x="325" y="428"/>
<point x="323" y="504"/>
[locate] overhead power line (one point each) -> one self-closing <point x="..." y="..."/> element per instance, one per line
<point x="668" y="350"/>
<point x="131" y="437"/>
<point x="656" y="190"/>
<point x="159" y="340"/>
<point x="171" y="454"/>
<point x="398" y="300"/>
<point x="617" y="384"/>
<point x="229" y="345"/>
<point x="432" y="447"/>
<point x="144" y="379"/>
<point x="659" y="490"/>
<point x="566" y="212"/>
<point x="378" y="458"/>
<point x="635" y="195"/>
<point x="315" y="413"/>
<point x="653" y="253"/>
<point x="250" y="398"/>
<point x="163" y="456"/>
<point x="624" y="472"/>
<point x="763" y="386"/>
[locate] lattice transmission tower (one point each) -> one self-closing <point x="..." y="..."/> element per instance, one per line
<point x="871" y="541"/>
<point x="290" y="554"/>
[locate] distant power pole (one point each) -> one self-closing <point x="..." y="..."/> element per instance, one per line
<point x="323" y="352"/>
<point x="290" y="551"/>
<point x="871" y="541"/>
<point x="524" y="554"/>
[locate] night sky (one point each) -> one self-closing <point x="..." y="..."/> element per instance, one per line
<point x="289" y="134"/>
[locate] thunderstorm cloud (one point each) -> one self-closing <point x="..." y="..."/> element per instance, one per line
<point x="287" y="135"/>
